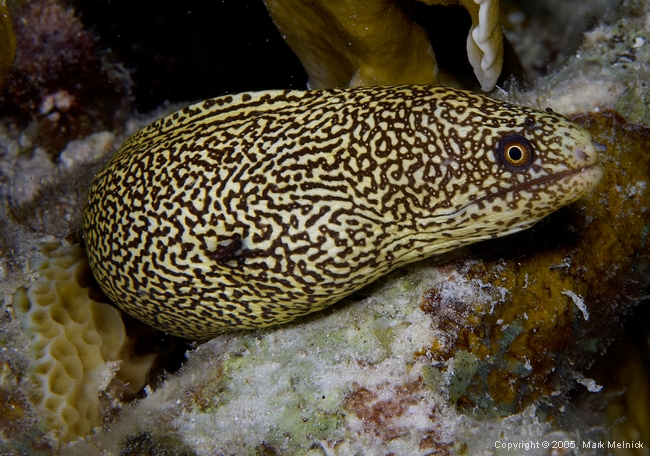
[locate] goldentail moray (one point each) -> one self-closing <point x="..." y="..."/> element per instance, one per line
<point x="250" y="210"/>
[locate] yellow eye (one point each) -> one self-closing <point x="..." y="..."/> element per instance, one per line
<point x="516" y="152"/>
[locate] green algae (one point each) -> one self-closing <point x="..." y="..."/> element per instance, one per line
<point x="464" y="367"/>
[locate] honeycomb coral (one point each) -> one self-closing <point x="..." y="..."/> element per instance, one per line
<point x="78" y="345"/>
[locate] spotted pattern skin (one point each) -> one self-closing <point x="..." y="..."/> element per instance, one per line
<point x="250" y="210"/>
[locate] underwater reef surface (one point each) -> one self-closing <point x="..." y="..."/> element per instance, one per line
<point x="522" y="339"/>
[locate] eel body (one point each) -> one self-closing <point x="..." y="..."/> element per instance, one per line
<point x="250" y="210"/>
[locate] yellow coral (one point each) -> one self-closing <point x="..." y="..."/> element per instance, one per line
<point x="7" y="42"/>
<point x="354" y="43"/>
<point x="75" y="343"/>
<point x="627" y="388"/>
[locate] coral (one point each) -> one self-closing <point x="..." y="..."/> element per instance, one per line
<point x="16" y="414"/>
<point x="7" y="42"/>
<point x="147" y="445"/>
<point x="78" y="345"/>
<point x="355" y="43"/>
<point x="485" y="39"/>
<point x="533" y="305"/>
<point x="545" y="34"/>
<point x="59" y="78"/>
<point x="348" y="43"/>
<point x="385" y="412"/>
<point x="626" y="384"/>
<point x="20" y="431"/>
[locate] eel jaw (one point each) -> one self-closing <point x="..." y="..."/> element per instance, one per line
<point x="587" y="177"/>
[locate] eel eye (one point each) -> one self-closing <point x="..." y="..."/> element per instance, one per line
<point x="516" y="152"/>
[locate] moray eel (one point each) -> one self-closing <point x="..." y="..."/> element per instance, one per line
<point x="250" y="210"/>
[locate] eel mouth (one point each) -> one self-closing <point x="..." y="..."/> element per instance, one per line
<point x="586" y="179"/>
<point x="592" y="175"/>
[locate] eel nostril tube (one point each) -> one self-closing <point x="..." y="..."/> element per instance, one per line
<point x="599" y="146"/>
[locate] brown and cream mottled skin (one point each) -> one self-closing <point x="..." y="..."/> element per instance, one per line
<point x="251" y="210"/>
